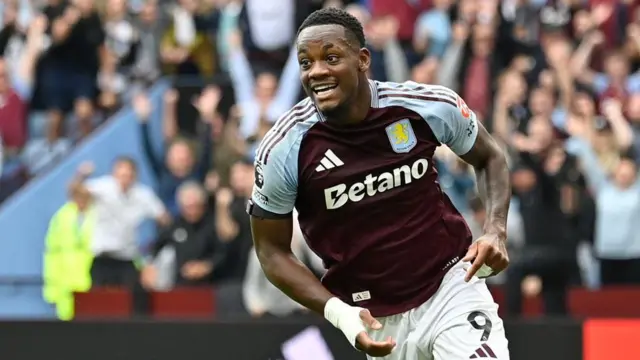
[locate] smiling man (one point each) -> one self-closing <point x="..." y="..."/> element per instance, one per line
<point x="355" y="158"/>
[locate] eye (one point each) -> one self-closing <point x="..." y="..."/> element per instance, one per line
<point x="332" y="58"/>
<point x="304" y="64"/>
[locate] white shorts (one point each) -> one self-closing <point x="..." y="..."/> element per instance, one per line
<point x="459" y="322"/>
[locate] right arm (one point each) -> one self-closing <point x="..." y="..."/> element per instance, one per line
<point x="271" y="208"/>
<point x="142" y="108"/>
<point x="580" y="63"/>
<point x="593" y="171"/>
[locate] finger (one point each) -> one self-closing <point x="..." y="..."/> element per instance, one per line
<point x="477" y="263"/>
<point x="375" y="348"/>
<point x="493" y="259"/>
<point x="369" y="320"/>
<point x="381" y="348"/>
<point x="471" y="253"/>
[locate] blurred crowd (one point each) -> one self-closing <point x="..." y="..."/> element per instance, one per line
<point x="555" y="82"/>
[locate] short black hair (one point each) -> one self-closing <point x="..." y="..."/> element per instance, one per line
<point x="335" y="16"/>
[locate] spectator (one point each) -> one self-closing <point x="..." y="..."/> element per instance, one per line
<point x="192" y="237"/>
<point x="150" y="26"/>
<point x="15" y="93"/>
<point x="123" y="45"/>
<point x="617" y="194"/>
<point x="262" y="100"/>
<point x="433" y="29"/>
<point x="232" y="224"/>
<point x="548" y="187"/>
<point x="184" y="49"/>
<point x="121" y="204"/>
<point x="68" y="255"/>
<point x="268" y="30"/>
<point x="71" y="63"/>
<point x="180" y="164"/>
<point x="616" y="81"/>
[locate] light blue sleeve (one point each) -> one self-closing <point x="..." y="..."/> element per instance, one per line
<point x="276" y="179"/>
<point x="593" y="171"/>
<point x="451" y="121"/>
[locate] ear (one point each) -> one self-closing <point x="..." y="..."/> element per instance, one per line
<point x="364" y="60"/>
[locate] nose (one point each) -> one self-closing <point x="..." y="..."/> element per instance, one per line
<point x="318" y="70"/>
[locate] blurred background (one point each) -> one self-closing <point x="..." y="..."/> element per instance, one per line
<point x="127" y="135"/>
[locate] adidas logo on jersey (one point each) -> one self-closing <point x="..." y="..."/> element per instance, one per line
<point x="337" y="196"/>
<point x="329" y="161"/>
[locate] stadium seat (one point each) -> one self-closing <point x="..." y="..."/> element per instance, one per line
<point x="184" y="303"/>
<point x="103" y="303"/>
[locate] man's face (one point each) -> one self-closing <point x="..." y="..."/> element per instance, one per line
<point x="125" y="174"/>
<point x="192" y="206"/>
<point x="330" y="66"/>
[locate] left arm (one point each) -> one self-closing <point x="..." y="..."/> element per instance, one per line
<point x="492" y="174"/>
<point x="456" y="126"/>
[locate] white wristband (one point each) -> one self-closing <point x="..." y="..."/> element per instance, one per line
<point x="345" y="317"/>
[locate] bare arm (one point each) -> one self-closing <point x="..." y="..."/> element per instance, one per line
<point x="494" y="185"/>
<point x="581" y="58"/>
<point x="272" y="240"/>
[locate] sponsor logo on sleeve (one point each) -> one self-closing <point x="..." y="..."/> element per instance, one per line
<point x="259" y="181"/>
<point x="471" y="127"/>
<point x="464" y="109"/>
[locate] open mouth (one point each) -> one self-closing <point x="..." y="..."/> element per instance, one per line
<point x="323" y="89"/>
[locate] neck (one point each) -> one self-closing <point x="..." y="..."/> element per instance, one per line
<point x="356" y="111"/>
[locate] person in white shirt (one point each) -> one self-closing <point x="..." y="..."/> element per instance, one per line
<point x="121" y="205"/>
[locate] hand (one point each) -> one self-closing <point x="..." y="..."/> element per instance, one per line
<point x="207" y="102"/>
<point x="368" y="345"/>
<point x="612" y="108"/>
<point x="164" y="219"/>
<point x="60" y="29"/>
<point x="171" y="97"/>
<point x="596" y="38"/>
<point x="235" y="39"/>
<point x="196" y="269"/>
<point x="601" y="13"/>
<point x="224" y="197"/>
<point x="86" y="169"/>
<point x="489" y="250"/>
<point x="257" y="313"/>
<point x="142" y="107"/>
<point x="149" y="276"/>
<point x="39" y="25"/>
<point x="71" y="15"/>
<point x="460" y="32"/>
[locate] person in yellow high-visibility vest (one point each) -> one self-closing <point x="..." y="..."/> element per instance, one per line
<point x="68" y="256"/>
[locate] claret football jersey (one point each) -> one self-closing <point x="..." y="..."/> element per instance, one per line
<point x="367" y="195"/>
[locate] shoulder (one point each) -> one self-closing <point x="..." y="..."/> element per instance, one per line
<point x="102" y="182"/>
<point x="284" y="137"/>
<point x="409" y="92"/>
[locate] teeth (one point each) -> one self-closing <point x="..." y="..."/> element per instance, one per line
<point x="323" y="88"/>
